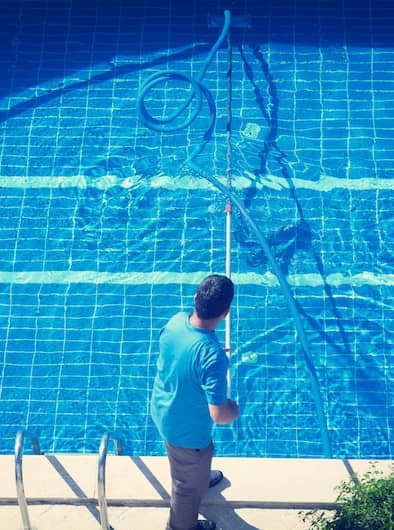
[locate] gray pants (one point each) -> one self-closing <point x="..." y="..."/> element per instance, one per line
<point x="190" y="471"/>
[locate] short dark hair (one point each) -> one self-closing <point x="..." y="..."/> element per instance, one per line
<point x="214" y="296"/>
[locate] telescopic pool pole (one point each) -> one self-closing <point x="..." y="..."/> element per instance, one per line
<point x="227" y="340"/>
<point x="228" y="208"/>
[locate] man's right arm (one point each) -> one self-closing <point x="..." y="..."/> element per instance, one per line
<point x="223" y="414"/>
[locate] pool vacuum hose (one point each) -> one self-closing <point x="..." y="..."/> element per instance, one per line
<point x="174" y="123"/>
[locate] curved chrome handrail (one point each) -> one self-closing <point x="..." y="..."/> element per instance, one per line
<point x="20" y="490"/>
<point x="102" y="458"/>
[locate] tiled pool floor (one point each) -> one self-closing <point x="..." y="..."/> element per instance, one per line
<point x="256" y="494"/>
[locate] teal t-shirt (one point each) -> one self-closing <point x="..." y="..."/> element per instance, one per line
<point x="191" y="372"/>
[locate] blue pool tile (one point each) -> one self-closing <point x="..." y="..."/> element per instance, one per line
<point x="314" y="97"/>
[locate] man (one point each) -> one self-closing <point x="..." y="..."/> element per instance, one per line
<point x="189" y="394"/>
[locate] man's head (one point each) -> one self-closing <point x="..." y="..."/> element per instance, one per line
<point x="214" y="296"/>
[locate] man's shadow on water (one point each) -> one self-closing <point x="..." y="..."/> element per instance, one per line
<point x="216" y="508"/>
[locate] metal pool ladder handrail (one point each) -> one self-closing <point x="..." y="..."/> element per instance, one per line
<point x="20" y="490"/>
<point x="102" y="499"/>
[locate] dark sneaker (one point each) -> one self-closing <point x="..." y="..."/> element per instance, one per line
<point x="206" y="525"/>
<point x="215" y="478"/>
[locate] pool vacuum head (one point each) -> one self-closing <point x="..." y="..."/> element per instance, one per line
<point x="237" y="21"/>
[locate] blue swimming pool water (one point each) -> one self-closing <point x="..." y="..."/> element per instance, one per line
<point x="105" y="231"/>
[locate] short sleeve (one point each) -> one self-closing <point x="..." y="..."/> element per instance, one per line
<point x="213" y="374"/>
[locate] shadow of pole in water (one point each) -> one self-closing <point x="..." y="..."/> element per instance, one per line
<point x="114" y="71"/>
<point x="270" y="145"/>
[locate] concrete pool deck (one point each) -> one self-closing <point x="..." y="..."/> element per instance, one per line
<point x="256" y="493"/>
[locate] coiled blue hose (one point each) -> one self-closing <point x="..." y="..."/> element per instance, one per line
<point x="199" y="91"/>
